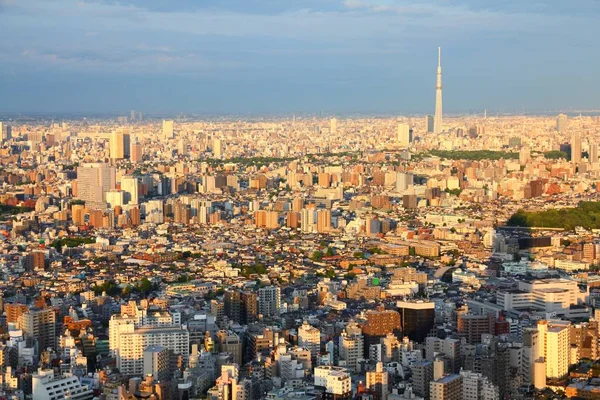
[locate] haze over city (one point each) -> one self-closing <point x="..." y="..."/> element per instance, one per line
<point x="293" y="56"/>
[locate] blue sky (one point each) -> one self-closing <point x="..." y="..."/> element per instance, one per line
<point x="302" y="56"/>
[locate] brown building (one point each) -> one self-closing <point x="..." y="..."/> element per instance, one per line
<point x="379" y="323"/>
<point x="14" y="311"/>
<point x="471" y="327"/>
<point x="35" y="261"/>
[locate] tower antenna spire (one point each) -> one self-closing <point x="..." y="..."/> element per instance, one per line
<point x="439" y="56"/>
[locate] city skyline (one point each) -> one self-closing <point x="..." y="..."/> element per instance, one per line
<point x="236" y="57"/>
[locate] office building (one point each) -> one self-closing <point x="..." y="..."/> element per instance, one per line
<point x="404" y="135"/>
<point x="120" y="145"/>
<point x="93" y="181"/>
<point x="471" y="326"/>
<point x="429" y="123"/>
<point x="417" y="319"/>
<point x="333" y="122"/>
<point x="437" y="122"/>
<point x="137" y="152"/>
<point x="576" y="147"/>
<point x="167" y="129"/>
<point x="378" y="324"/>
<point x="5" y="131"/>
<point x="217" y="148"/>
<point x="130" y="188"/>
<point x="593" y="153"/>
<point x="323" y="221"/>
<point x="562" y="123"/>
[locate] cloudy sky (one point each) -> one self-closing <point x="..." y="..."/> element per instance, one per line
<point x="302" y="56"/>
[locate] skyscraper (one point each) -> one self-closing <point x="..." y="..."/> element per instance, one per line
<point x="593" y="156"/>
<point x="561" y="122"/>
<point x="167" y="128"/>
<point x="129" y="186"/>
<point x="39" y="324"/>
<point x="576" y="147"/>
<point x="5" y="131"/>
<point x="93" y="181"/>
<point x="117" y="146"/>
<point x="404" y="135"/>
<point x="437" y="122"/>
<point x="429" y="123"/>
<point x="333" y="125"/>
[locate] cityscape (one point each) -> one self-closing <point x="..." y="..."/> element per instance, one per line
<point x="430" y="255"/>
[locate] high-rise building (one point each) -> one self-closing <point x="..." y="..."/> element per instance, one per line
<point x="156" y="363"/>
<point x="576" y="148"/>
<point x="133" y="341"/>
<point x="404" y="135"/>
<point x="137" y="152"/>
<point x="269" y="301"/>
<point x="167" y="129"/>
<point x="437" y="122"/>
<point x="417" y="319"/>
<point x="93" y="181"/>
<point x="117" y="146"/>
<point x="309" y="338"/>
<point x="429" y="123"/>
<point x="593" y="153"/>
<point x="323" y="220"/>
<point x="562" y="122"/>
<point x="5" y="131"/>
<point x="378" y="324"/>
<point x="40" y="325"/>
<point x="333" y="125"/>
<point x="448" y="387"/>
<point x="35" y="260"/>
<point x="524" y="155"/>
<point x="130" y="188"/>
<point x="232" y="305"/>
<point x="14" y="311"/>
<point x="217" y="148"/>
<point x="554" y="342"/>
<point x="351" y="346"/>
<point x="477" y="386"/>
<point x="378" y="382"/>
<point x="422" y="375"/>
<point x="472" y="326"/>
<point x="250" y="307"/>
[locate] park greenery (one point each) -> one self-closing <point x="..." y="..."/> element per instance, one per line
<point x="556" y="154"/>
<point x="586" y="215"/>
<point x="6" y="209"/>
<point x="58" y="244"/>
<point x="473" y="155"/>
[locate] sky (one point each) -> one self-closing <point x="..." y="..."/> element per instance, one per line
<point x="297" y="56"/>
